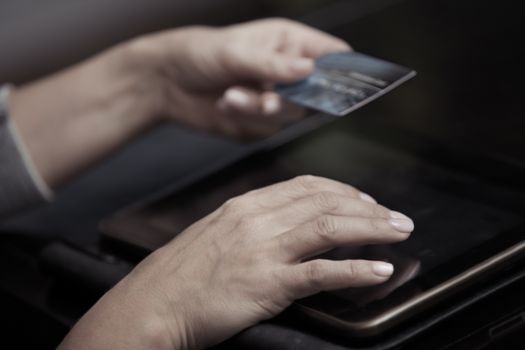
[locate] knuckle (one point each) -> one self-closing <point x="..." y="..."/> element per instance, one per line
<point x="279" y="278"/>
<point x="352" y="191"/>
<point x="232" y="202"/>
<point x="230" y="208"/>
<point x="380" y="211"/>
<point x="325" y="227"/>
<point x="351" y="272"/>
<point x="236" y="204"/>
<point x="326" y="201"/>
<point x="375" y="225"/>
<point x="371" y="210"/>
<point x="306" y="182"/>
<point x="314" y="275"/>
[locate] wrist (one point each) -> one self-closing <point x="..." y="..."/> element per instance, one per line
<point x="166" y="63"/>
<point x="131" y="66"/>
<point x="162" y="326"/>
<point x="141" y="61"/>
<point x="126" y="318"/>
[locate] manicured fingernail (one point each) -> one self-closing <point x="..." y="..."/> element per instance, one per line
<point x="383" y="269"/>
<point x="302" y="64"/>
<point x="398" y="215"/>
<point x="271" y="105"/>
<point x="237" y="97"/>
<point x="367" y="198"/>
<point x="402" y="225"/>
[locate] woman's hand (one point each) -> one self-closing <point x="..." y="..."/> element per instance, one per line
<point x="212" y="79"/>
<point x="244" y="263"/>
<point x="219" y="80"/>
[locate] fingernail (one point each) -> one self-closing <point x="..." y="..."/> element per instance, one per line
<point x="402" y="225"/>
<point x="237" y="97"/>
<point x="302" y="64"/>
<point x="367" y="198"/>
<point x="398" y="215"/>
<point x="383" y="269"/>
<point x="271" y="105"/>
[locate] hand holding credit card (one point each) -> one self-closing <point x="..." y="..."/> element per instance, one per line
<point x="343" y="82"/>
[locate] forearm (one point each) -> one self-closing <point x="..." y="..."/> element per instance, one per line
<point x="78" y="116"/>
<point x="130" y="316"/>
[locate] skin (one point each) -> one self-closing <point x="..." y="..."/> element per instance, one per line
<point x="244" y="263"/>
<point x="248" y="260"/>
<point x="219" y="86"/>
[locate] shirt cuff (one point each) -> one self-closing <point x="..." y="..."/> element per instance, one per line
<point x="21" y="185"/>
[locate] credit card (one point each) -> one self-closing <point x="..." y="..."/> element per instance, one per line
<point x="343" y="82"/>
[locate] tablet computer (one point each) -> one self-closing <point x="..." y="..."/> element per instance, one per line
<point x="468" y="227"/>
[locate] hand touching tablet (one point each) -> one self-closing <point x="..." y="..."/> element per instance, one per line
<point x="243" y="263"/>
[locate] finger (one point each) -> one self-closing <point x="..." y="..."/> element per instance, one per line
<point x="330" y="45"/>
<point x="270" y="66"/>
<point x="326" y="203"/>
<point x="402" y="276"/>
<point x="278" y="109"/>
<point x="238" y="122"/>
<point x="249" y="127"/>
<point x="268" y="106"/>
<point x="242" y="100"/>
<point x="314" y="276"/>
<point x="252" y="102"/>
<point x="283" y="193"/>
<point x="310" y="208"/>
<point x="289" y="191"/>
<point x="327" y="232"/>
<point x="272" y="104"/>
<point x="315" y="43"/>
<point x="301" y="39"/>
<point x="209" y="115"/>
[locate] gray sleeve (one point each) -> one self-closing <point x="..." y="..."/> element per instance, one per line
<point x="20" y="184"/>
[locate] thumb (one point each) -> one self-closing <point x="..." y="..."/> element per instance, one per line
<point x="274" y="68"/>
